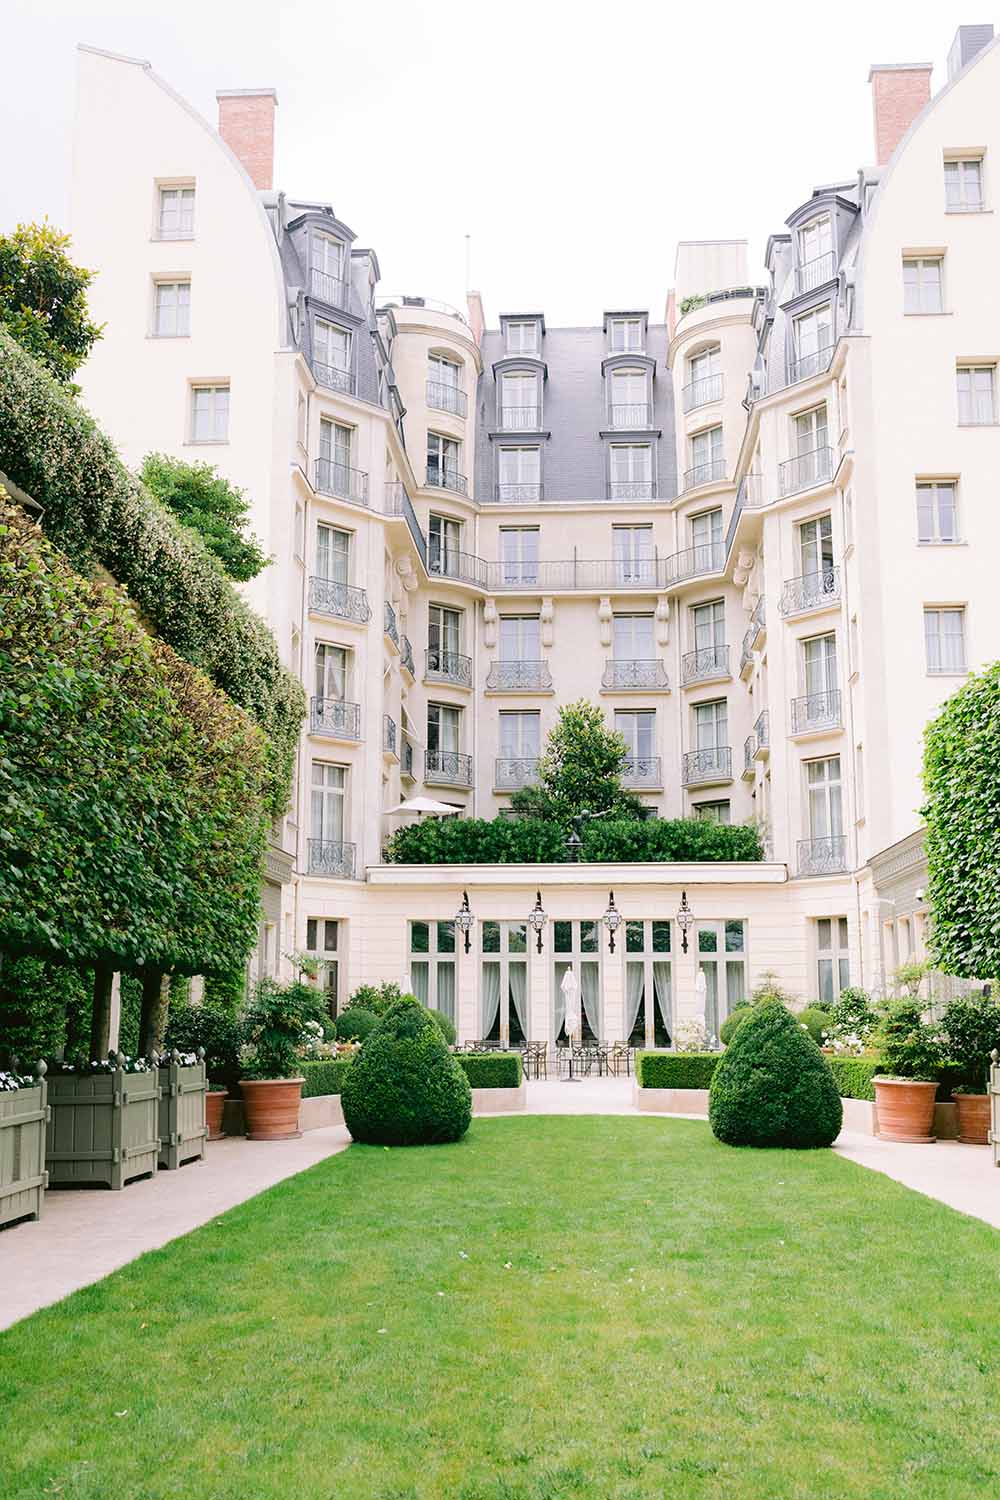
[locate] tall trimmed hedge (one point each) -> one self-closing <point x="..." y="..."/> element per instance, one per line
<point x="450" y="841"/>
<point x="97" y="513"/>
<point x="324" y="1076"/>
<point x="675" y="1070"/>
<point x="853" y="1076"/>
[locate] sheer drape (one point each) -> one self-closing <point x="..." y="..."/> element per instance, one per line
<point x="446" y="990"/>
<point x="489" y="998"/>
<point x="634" y="984"/>
<point x="418" y="979"/>
<point x="590" y="993"/>
<point x="560" y="999"/>
<point x="519" y="995"/>
<point x="664" y="998"/>
<point x="711" y="974"/>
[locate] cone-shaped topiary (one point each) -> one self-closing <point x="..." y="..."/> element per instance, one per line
<point x="405" y="1088"/>
<point x="773" y="1086"/>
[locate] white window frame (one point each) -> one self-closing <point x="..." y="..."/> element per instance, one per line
<point x="824" y="797"/>
<point x="831" y="936"/>
<point x="574" y="957"/>
<point x="328" y="798"/>
<point x="218" y="407"/>
<point x="519" y="554"/>
<point x="933" y="516"/>
<point x="175" y="219"/>
<point x="940" y="627"/>
<point x="639" y="936"/>
<point x="519" y="638"/>
<point x="976" y="386"/>
<point x="923" y="285"/>
<point x="626" y="336"/>
<point x="177" y="311"/>
<point x="441" y="953"/>
<point x="525" y="341"/>
<point x="964" y="188"/>
<point x="727" y="960"/>
<point x="511" y="952"/>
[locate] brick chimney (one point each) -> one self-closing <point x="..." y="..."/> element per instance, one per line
<point x="899" y="93"/>
<point x="246" y="124"/>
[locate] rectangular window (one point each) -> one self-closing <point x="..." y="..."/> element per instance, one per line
<point x="649" y="1018"/>
<point x="819" y="665"/>
<point x="705" y="531"/>
<point x="637" y="728"/>
<point x="577" y="946"/>
<point x="633" y="638"/>
<point x="335" y="442"/>
<point x="172" y="310"/>
<point x="444" y="544"/>
<point x="816" y="547"/>
<point x="963" y="185"/>
<point x="442" y="460"/>
<point x="815" y="241"/>
<point x="332" y="667"/>
<point x="175" y="220"/>
<point x="705" y="365"/>
<point x="444" y="636"/>
<point x="977" y="405"/>
<point x="432" y="965"/>
<point x="332" y="347"/>
<point x="522" y="338"/>
<point x="922" y="283"/>
<point x="712" y="812"/>
<point x="811" y="430"/>
<point x="519" y="402"/>
<point x="329" y="786"/>
<point x="327" y="261"/>
<point x="629" y="406"/>
<point x="707" y="459"/>
<point x="443" y="371"/>
<point x="937" y="516"/>
<point x="519" y="553"/>
<point x="631" y="471"/>
<point x="708" y="625"/>
<point x="722" y="962"/>
<point x="813" y="342"/>
<point x="520" y="473"/>
<point x="823" y="794"/>
<point x="711" y="725"/>
<point x="210" y="414"/>
<point x="625" y="335"/>
<point x="833" y="964"/>
<point x="944" y="637"/>
<point x="323" y="938"/>
<point x="520" y="735"/>
<point x="333" y="554"/>
<point x="444" y="729"/>
<point x="520" y="638"/>
<point x="503" y="985"/>
<point x="632" y="547"/>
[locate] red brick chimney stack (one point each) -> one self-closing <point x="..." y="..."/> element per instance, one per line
<point x="246" y="124"/>
<point x="899" y="93"/>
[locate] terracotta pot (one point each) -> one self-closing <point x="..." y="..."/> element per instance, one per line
<point x="271" y="1107"/>
<point x="904" y="1108"/>
<point x="214" y="1102"/>
<point x="973" y="1119"/>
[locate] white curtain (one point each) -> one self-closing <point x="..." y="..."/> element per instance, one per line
<point x="711" y="973"/>
<point x="664" y="999"/>
<point x="560" y="997"/>
<point x="489" y="998"/>
<point x="446" y="990"/>
<point x="590" y="991"/>
<point x="418" y="978"/>
<point x="634" y="985"/>
<point x="519" y="995"/>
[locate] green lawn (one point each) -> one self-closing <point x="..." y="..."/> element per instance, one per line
<point x="603" y="1308"/>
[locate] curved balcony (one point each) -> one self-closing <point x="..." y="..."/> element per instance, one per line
<point x="823" y="856"/>
<point x="519" y="418"/>
<point x="510" y="773"/>
<point x="631" y="489"/>
<point x="441" y="478"/>
<point x="519" y="494"/>
<point x="762" y="735"/>
<point x="816" y="712"/>
<point x="326" y="857"/>
<point x="334" y="378"/>
<point x="390" y="737"/>
<point x="406" y="655"/>
<point x="642" y="771"/>
<point x="701" y="392"/>
<point x="705" y="665"/>
<point x="447" y="768"/>
<point x="811" y="591"/>
<point x="328" y="597"/>
<point x="714" y="764"/>
<point x="519" y="677"/>
<point x="336" y="718"/>
<point x="623" y="415"/>
<point x="341" y="481"/>
<point x="443" y="397"/>
<point x="448" y="666"/>
<point x="707" y="557"/>
<point x="449" y="562"/>
<point x="749" y="756"/>
<point x="713" y="472"/>
<point x="805" y="470"/>
<point x="625" y="676"/>
<point x="329" y="289"/>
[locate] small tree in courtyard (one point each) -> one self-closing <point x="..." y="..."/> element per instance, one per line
<point x="43" y="303"/>
<point x="209" y="504"/>
<point x="580" y="771"/>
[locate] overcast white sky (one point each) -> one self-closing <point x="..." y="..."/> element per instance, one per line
<point x="575" y="143"/>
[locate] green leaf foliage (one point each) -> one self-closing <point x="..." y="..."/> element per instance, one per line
<point x="908" y="1045"/>
<point x="405" y="1088"/>
<point x="962" y="842"/>
<point x="356" y="1023"/>
<point x="455" y="841"/>
<point x="681" y="839"/>
<point x="580" y="770"/>
<point x="732" y="1023"/>
<point x="853" y="1014"/>
<point x="133" y="818"/>
<point x="773" y="1087"/>
<point x="971" y="1030"/>
<point x="324" y="1076"/>
<point x="211" y="1027"/>
<point x="210" y="505"/>
<point x="491" y="1070"/>
<point x="377" y="998"/>
<point x="676" y="1070"/>
<point x="43" y="302"/>
<point x="274" y="1026"/>
<point x="817" y="1020"/>
<point x="853" y="1076"/>
<point x="445" y="1025"/>
<point x="38" y="1001"/>
<point x="97" y="513"/>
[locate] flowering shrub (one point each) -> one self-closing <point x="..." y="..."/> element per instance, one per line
<point x="84" y="1068"/>
<point x="853" y="1015"/>
<point x="11" y="1082"/>
<point x="693" y="1036"/>
<point x="274" y="1026"/>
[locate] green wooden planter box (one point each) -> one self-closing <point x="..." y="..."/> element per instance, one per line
<point x="23" y="1178"/>
<point x="182" y="1126"/>
<point x="102" y="1127"/>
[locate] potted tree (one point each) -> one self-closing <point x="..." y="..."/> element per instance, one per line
<point x="906" y="1090"/>
<point x="971" y="1029"/>
<point x="274" y="1029"/>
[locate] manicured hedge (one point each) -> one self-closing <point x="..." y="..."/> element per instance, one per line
<point x="324" y="1077"/>
<point x="676" y="839"/>
<point x="772" y="1087"/>
<point x="455" y="841"/>
<point x="491" y="1070"/>
<point x="676" y="1070"/>
<point x="853" y="1076"/>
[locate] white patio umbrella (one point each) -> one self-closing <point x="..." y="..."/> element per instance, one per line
<point x="700" y="988"/>
<point x="421" y="805"/>
<point x="570" y="987"/>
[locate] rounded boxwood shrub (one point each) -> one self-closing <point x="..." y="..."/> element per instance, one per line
<point x="445" y="1025"/>
<point x="732" y="1023"/>
<point x="405" y="1088"/>
<point x="772" y="1086"/>
<point x="355" y="1024"/>
<point x="817" y="1020"/>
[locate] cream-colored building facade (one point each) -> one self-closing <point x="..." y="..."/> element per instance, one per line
<point x="756" y="533"/>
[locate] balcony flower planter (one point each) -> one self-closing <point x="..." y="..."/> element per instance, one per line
<point x="904" y="1108"/>
<point x="23" y="1113"/>
<point x="182" y="1126"/>
<point x="973" y="1118"/>
<point x="215" y="1100"/>
<point x="271" y="1108"/>
<point x="103" y="1122"/>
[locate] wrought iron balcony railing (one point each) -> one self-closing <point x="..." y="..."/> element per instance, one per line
<point x="707" y="662"/>
<point x="327" y="857"/>
<point x="327" y="597"/>
<point x="746" y="652"/>
<point x="448" y="666"/>
<point x="813" y="273"/>
<point x="631" y="489"/>
<point x="816" y="711"/>
<point x="440" y="476"/>
<point x="749" y="754"/>
<point x="389" y="735"/>
<point x="701" y="392"/>
<point x="822" y="856"/>
<point x="447" y="768"/>
<point x="389" y="623"/>
<point x="805" y="470"/>
<point x="707" y="557"/>
<point x="751" y="492"/>
<point x="339" y="479"/>
<point x="642" y="770"/>
<point x="713" y="472"/>
<point x="811" y="591"/>
<point x="625" y="414"/>
<point x="327" y="288"/>
<point x="333" y="377"/>
<point x="398" y="503"/>
<point x="444" y="397"/>
<point x="406" y="655"/>
<point x="519" y="677"/>
<point x="449" y="562"/>
<point x="762" y="734"/>
<point x="335" y="717"/>
<point x="406" y="764"/>
<point x="514" y="771"/>
<point x="519" y="418"/>
<point x="758" y="619"/>
<point x="714" y="763"/>
<point x="807" y="365"/>
<point x="625" y="676"/>
<point x="519" y="494"/>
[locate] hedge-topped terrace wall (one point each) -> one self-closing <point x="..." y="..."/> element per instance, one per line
<point x="482" y="841"/>
<point x="133" y="819"/>
<point x="97" y="513"/>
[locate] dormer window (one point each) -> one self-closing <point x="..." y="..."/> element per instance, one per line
<point x="327" y="268"/>
<point x="332" y="350"/>
<point x="522" y="338"/>
<point x="815" y="253"/>
<point x="519" y="404"/>
<point x="626" y="335"/>
<point x="628" y="398"/>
